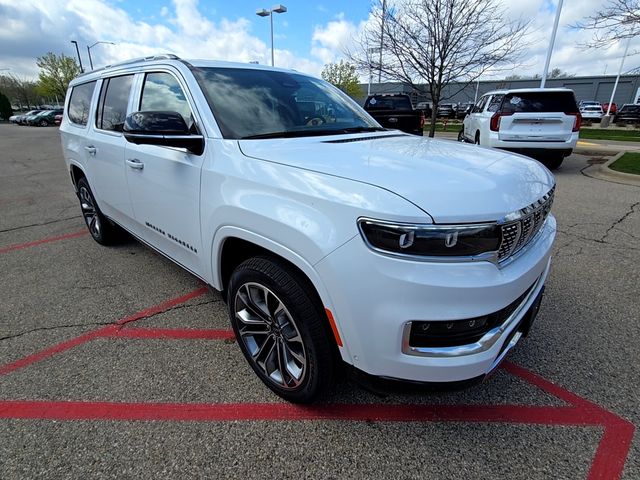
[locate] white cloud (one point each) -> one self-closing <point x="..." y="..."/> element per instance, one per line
<point x="32" y="27"/>
<point x="330" y="41"/>
<point x="28" y="26"/>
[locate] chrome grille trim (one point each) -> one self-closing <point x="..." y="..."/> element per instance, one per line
<point x="519" y="228"/>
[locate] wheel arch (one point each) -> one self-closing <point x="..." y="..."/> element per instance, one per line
<point x="233" y="245"/>
<point x="76" y="173"/>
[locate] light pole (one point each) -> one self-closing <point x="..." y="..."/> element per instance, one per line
<point x="89" y="50"/>
<point x="615" y="85"/>
<point x="263" y="12"/>
<point x="370" y="51"/>
<point x="553" y="40"/>
<point x="78" y="52"/>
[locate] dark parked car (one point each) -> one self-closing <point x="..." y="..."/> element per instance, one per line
<point x="629" y="113"/>
<point x="463" y="110"/>
<point x="395" y="111"/>
<point x="44" y="119"/>
<point x="446" y="110"/>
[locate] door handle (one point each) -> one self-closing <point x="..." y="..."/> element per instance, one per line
<point x="135" y="163"/>
<point x="91" y="150"/>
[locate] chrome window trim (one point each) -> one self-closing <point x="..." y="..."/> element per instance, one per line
<point x="487" y="341"/>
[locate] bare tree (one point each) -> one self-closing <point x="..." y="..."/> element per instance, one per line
<point x="428" y="44"/>
<point x="20" y="90"/>
<point x="619" y="19"/>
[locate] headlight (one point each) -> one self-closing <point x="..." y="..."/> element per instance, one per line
<point x="431" y="240"/>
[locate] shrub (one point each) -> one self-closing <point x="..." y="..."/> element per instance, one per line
<point x="5" y="107"/>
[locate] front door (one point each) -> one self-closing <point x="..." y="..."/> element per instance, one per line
<point x="164" y="182"/>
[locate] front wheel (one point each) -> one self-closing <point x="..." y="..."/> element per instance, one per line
<point x="44" y="123"/>
<point x="100" y="227"/>
<point x="461" y="135"/>
<point x="280" y="329"/>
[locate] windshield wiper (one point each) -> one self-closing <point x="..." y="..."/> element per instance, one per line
<point x="313" y="133"/>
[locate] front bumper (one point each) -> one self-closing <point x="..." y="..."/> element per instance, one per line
<point x="375" y="297"/>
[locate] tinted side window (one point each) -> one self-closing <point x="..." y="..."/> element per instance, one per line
<point x="480" y="105"/>
<point x="162" y="92"/>
<point x="112" y="105"/>
<point x="80" y="103"/>
<point x="494" y="105"/>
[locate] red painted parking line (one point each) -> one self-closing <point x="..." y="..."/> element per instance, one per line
<point x="21" y="246"/>
<point x="101" y="332"/>
<point x="608" y="462"/>
<point x="171" y="333"/>
<point x="521" y="414"/>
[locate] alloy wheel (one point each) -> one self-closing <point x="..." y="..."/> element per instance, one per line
<point x="270" y="335"/>
<point x="89" y="212"/>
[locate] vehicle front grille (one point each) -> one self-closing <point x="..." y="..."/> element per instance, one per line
<point x="516" y="234"/>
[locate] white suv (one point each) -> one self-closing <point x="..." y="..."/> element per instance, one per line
<point x="540" y="122"/>
<point x="330" y="237"/>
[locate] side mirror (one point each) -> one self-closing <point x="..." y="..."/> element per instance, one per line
<point x="167" y="129"/>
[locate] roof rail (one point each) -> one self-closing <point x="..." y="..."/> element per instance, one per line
<point x="163" y="56"/>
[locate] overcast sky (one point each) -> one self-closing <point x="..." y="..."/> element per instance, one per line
<point x="308" y="36"/>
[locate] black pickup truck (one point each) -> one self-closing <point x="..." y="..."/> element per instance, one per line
<point x="395" y="111"/>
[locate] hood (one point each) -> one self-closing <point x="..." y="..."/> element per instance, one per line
<point x="451" y="181"/>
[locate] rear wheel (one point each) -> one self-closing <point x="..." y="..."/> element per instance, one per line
<point x="281" y="329"/>
<point x="461" y="135"/>
<point x="553" y="162"/>
<point x="100" y="227"/>
<point x="44" y="123"/>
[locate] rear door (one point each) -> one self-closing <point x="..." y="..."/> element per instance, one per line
<point x="164" y="182"/>
<point x="105" y="149"/>
<point x="537" y="116"/>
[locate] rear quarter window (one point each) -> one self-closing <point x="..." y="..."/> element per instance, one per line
<point x="80" y="103"/>
<point x="539" y="102"/>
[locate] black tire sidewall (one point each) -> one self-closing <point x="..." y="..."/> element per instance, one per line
<point x="106" y="228"/>
<point x="305" y="314"/>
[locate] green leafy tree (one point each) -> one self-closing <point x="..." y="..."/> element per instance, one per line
<point x="5" y="107"/>
<point x="56" y="71"/>
<point x="343" y="75"/>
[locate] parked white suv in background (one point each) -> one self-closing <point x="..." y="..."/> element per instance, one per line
<point x="330" y="237"/>
<point x="540" y="122"/>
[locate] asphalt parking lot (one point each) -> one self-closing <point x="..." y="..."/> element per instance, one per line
<point x="116" y="363"/>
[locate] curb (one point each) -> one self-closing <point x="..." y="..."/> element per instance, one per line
<point x="603" y="172"/>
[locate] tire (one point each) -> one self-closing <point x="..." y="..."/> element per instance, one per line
<point x="44" y="123"/>
<point x="461" y="135"/>
<point x="100" y="227"/>
<point x="275" y="316"/>
<point x="553" y="163"/>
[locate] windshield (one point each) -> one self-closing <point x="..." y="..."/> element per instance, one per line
<point x="251" y="103"/>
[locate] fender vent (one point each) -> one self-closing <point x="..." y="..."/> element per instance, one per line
<point x="362" y="139"/>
